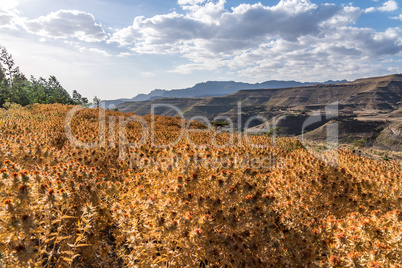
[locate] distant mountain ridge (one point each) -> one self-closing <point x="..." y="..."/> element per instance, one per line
<point x="377" y="93"/>
<point x="213" y="89"/>
<point x="371" y="109"/>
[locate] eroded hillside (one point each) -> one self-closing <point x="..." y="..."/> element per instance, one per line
<point x="376" y="101"/>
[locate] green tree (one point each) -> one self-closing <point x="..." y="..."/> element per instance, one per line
<point x="3" y="85"/>
<point x="85" y="101"/>
<point x="13" y="82"/>
<point x="10" y="70"/>
<point x="2" y="73"/>
<point x="78" y="99"/>
<point x="36" y="90"/>
<point x="16" y="88"/>
<point x="58" y="93"/>
<point x="17" y="93"/>
<point x="97" y="102"/>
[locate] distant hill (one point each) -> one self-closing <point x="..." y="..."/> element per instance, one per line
<point x="212" y="89"/>
<point x="376" y="99"/>
<point x="377" y="93"/>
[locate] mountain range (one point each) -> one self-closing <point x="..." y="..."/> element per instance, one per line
<point x="368" y="109"/>
<point x="212" y="89"/>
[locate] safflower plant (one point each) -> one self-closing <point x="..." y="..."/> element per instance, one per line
<point x="194" y="203"/>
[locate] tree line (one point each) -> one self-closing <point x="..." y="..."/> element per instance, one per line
<point x="16" y="88"/>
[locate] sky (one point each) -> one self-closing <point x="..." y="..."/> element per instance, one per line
<point x="120" y="48"/>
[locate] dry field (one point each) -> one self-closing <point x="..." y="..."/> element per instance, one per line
<point x="184" y="205"/>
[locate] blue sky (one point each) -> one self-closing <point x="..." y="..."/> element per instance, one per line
<point x="116" y="49"/>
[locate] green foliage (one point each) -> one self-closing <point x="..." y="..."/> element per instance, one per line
<point x="8" y="65"/>
<point x="78" y="99"/>
<point x="2" y="73"/>
<point x="16" y="88"/>
<point x="359" y="143"/>
<point x="220" y="123"/>
<point x="273" y="131"/>
<point x="47" y="91"/>
<point x="97" y="102"/>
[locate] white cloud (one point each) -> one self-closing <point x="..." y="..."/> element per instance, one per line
<point x="99" y="51"/>
<point x="160" y="34"/>
<point x="5" y="19"/>
<point x="395" y="70"/>
<point x="190" y="2"/>
<point x="91" y="50"/>
<point x="346" y="16"/>
<point x="209" y="13"/>
<point x="9" y="16"/>
<point x="388" y="6"/>
<point x="397" y="17"/>
<point x="65" y="24"/>
<point x="8" y="4"/>
<point x="244" y="27"/>
<point x="292" y="38"/>
<point x="124" y="54"/>
<point x="350" y="52"/>
<point x="294" y="6"/>
<point x="147" y="74"/>
<point x="370" y="10"/>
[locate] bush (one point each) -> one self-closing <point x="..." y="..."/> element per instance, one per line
<point x="359" y="143"/>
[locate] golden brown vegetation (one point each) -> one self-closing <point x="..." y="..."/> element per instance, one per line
<point x="185" y="205"/>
